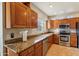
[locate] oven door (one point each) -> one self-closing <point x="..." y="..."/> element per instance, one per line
<point x="64" y="38"/>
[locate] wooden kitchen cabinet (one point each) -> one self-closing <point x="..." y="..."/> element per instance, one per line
<point x="39" y="49"/>
<point x="28" y="52"/>
<point x="49" y="24"/>
<point x="50" y="41"/>
<point x="29" y="22"/>
<point x="35" y="50"/>
<point x="73" y="40"/>
<point x="73" y="23"/>
<point x="55" y="39"/>
<point x="56" y="23"/>
<point x="33" y="19"/>
<point x="19" y="15"/>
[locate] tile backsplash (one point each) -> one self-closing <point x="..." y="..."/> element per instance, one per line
<point x="17" y="34"/>
<point x="56" y="30"/>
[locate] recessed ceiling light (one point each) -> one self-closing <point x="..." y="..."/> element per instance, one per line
<point x="50" y="5"/>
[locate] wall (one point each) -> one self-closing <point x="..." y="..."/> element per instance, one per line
<point x="1" y="31"/>
<point x="35" y="31"/>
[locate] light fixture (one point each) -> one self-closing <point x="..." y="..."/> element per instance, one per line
<point x="50" y="5"/>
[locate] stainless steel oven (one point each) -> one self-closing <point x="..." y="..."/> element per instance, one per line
<point x="64" y="34"/>
<point x="64" y="38"/>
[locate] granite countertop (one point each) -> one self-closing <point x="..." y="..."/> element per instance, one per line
<point x="20" y="46"/>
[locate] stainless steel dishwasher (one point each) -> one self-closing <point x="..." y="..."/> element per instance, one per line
<point x="45" y="46"/>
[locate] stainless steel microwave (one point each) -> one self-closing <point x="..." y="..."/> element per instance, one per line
<point x="64" y="26"/>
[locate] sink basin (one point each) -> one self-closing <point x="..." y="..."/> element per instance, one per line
<point x="13" y="41"/>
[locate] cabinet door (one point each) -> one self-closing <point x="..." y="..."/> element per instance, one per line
<point x="28" y="52"/>
<point x="73" y="23"/>
<point x="28" y="24"/>
<point x="49" y="24"/>
<point x="39" y="49"/>
<point x="33" y="19"/>
<point x="55" y="39"/>
<point x="50" y="41"/>
<point x="73" y="40"/>
<point x="19" y="15"/>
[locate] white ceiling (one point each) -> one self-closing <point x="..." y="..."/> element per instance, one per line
<point x="58" y="7"/>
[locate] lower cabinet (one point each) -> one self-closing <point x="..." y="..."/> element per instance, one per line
<point x="73" y="40"/>
<point x="39" y="49"/>
<point x="50" y="41"/>
<point x="28" y="52"/>
<point x="35" y="50"/>
<point x="55" y="39"/>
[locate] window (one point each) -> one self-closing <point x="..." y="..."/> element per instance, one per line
<point x="41" y="23"/>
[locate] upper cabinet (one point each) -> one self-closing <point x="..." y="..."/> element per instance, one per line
<point x="49" y="24"/>
<point x="20" y="16"/>
<point x="34" y="19"/>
